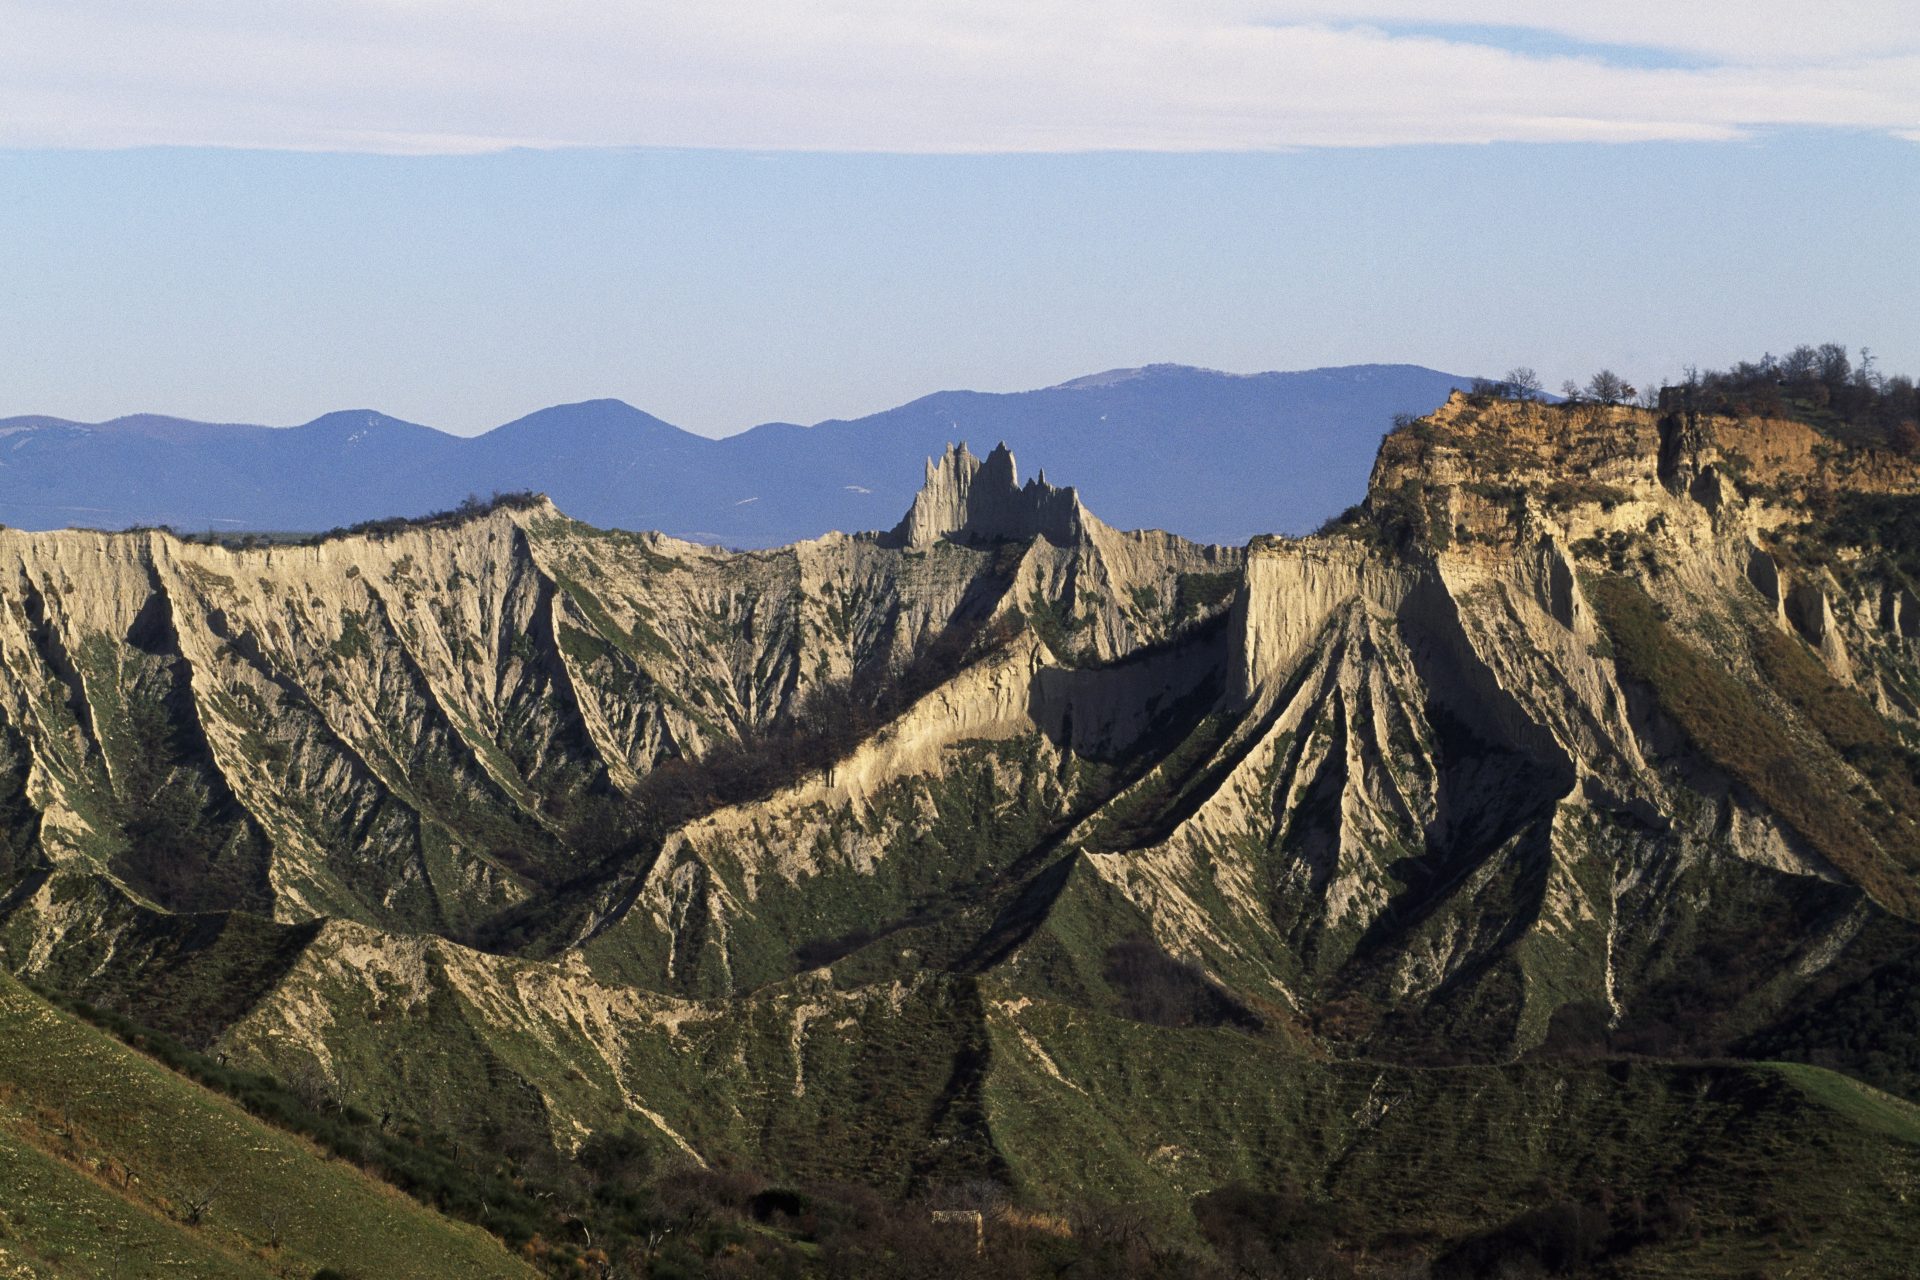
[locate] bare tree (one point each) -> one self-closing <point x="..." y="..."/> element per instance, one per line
<point x="1609" y="387"/>
<point x="1866" y="375"/>
<point x="1800" y="364"/>
<point x="1523" y="383"/>
<point x="1832" y="363"/>
<point x="274" y="1222"/>
<point x="309" y="1083"/>
<point x="199" y="1199"/>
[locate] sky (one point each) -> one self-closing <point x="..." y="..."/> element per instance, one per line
<point x="458" y="211"/>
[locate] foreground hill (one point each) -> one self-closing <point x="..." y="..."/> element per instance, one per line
<point x="1539" y="840"/>
<point x="1211" y="455"/>
<point x="115" y="1166"/>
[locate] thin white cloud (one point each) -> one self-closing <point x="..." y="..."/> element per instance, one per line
<point x="413" y="76"/>
<point x="1757" y="32"/>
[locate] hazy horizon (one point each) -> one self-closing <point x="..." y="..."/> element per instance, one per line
<point x="6" y="416"/>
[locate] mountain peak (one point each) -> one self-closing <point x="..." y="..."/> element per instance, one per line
<point x="604" y="416"/>
<point x="355" y="425"/>
<point x="1107" y="378"/>
<point x="967" y="498"/>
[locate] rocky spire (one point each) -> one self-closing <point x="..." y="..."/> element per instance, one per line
<point x="968" y="498"/>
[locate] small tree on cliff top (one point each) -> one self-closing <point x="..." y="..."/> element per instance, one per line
<point x="1609" y="387"/>
<point x="1523" y="383"/>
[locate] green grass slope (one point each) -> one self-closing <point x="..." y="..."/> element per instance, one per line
<point x="59" y="1221"/>
<point x="1686" y="1169"/>
<point x="111" y="1165"/>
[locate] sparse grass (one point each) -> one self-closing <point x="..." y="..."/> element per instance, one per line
<point x="638" y="642"/>
<point x="59" y="1219"/>
<point x="1888" y="523"/>
<point x="1854" y="1102"/>
<point x="1145" y="812"/>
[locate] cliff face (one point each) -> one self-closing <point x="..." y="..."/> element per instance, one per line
<point x="1507" y="471"/>
<point x="1594" y="731"/>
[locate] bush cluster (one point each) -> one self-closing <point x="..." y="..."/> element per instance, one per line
<point x="1822" y="386"/>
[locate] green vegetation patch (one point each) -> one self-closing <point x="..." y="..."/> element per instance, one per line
<point x="1585" y="492"/>
<point x="1855" y="1021"/>
<point x="1888" y="523"/>
<point x="1853" y="728"/>
<point x="1197" y="594"/>
<point x="353" y="644"/>
<point x="1860" y="1104"/>
<point x="583" y="648"/>
<point x="639" y="642"/>
<point x="1056" y="624"/>
<point x="1147" y="812"/>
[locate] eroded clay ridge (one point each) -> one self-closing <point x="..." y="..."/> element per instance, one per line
<point x="411" y="728"/>
<point x="1581" y="700"/>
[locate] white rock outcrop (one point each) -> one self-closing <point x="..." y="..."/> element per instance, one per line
<point x="972" y="499"/>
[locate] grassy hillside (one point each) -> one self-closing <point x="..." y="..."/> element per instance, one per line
<point x="1237" y="1154"/>
<point x="58" y="1220"/>
<point x="1640" y="1168"/>
<point x="114" y="1166"/>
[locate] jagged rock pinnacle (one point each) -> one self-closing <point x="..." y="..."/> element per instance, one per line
<point x="968" y="498"/>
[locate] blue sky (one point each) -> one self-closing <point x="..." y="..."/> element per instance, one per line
<point x="221" y="217"/>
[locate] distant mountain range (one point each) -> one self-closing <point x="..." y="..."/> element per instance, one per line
<point x="1210" y="455"/>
